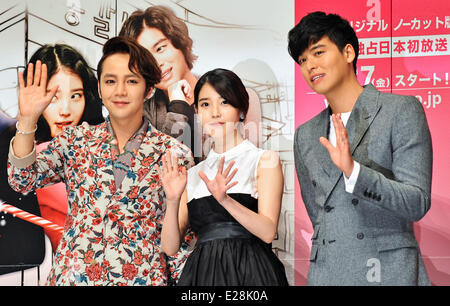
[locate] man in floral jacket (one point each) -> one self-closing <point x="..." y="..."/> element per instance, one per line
<point x="116" y="203"/>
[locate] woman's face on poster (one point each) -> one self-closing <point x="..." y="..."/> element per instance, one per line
<point x="67" y="106"/>
<point x="171" y="60"/>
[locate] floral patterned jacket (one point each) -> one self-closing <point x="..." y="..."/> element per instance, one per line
<point x="111" y="237"/>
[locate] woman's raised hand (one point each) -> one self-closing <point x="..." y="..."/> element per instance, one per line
<point x="173" y="178"/>
<point x="33" y="97"/>
<point x="221" y="183"/>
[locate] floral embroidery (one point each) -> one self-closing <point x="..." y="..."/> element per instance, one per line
<point x="112" y="234"/>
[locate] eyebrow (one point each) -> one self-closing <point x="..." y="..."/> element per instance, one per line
<point x="111" y="75"/>
<point x="203" y="99"/>
<point x="316" y="47"/>
<point x="72" y="90"/>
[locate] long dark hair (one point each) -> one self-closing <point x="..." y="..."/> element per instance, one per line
<point x="61" y="55"/>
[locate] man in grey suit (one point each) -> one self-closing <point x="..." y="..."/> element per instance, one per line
<point x="364" y="165"/>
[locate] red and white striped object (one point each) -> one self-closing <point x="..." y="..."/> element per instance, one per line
<point x="30" y="217"/>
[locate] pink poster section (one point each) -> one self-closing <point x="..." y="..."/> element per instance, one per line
<point x="404" y="49"/>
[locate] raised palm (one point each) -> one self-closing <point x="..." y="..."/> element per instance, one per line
<point x="33" y="97"/>
<point x="219" y="186"/>
<point x="339" y="154"/>
<point x="173" y="178"/>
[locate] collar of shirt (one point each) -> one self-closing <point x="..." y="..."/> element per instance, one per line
<point x="214" y="157"/>
<point x="122" y="162"/>
<point x="132" y="144"/>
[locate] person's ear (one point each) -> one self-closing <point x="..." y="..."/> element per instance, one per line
<point x="99" y="89"/>
<point x="349" y="53"/>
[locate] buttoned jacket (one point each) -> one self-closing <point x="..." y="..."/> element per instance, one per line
<point x="366" y="237"/>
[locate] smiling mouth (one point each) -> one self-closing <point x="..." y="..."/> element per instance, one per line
<point x="166" y="75"/>
<point x="317" y="77"/>
<point x="63" y="124"/>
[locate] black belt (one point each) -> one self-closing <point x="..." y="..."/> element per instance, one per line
<point x="223" y="230"/>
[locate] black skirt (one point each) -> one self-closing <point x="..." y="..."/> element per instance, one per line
<point x="227" y="254"/>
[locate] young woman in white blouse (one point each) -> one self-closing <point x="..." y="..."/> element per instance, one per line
<point x="231" y="200"/>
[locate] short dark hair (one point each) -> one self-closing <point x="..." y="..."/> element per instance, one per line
<point x="314" y="26"/>
<point x="164" y="19"/>
<point x="141" y="61"/>
<point x="59" y="56"/>
<point x="228" y="85"/>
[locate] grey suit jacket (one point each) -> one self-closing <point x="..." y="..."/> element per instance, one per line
<point x="366" y="237"/>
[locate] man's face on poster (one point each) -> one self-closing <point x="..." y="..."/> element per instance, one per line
<point x="170" y="59"/>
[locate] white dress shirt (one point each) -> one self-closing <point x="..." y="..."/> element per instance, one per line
<point x="351" y="181"/>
